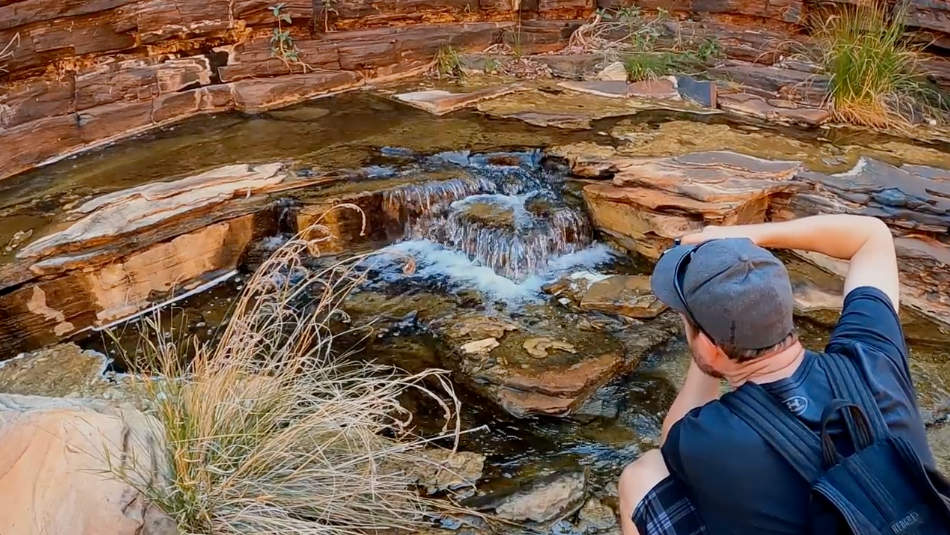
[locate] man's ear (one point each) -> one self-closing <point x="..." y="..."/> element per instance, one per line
<point x="714" y="356"/>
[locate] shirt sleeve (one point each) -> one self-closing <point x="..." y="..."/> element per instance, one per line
<point x="869" y="318"/>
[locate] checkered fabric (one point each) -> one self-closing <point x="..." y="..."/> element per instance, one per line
<point x="667" y="510"/>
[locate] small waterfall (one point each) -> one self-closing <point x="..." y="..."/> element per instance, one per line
<point x="514" y="235"/>
<point x="408" y="203"/>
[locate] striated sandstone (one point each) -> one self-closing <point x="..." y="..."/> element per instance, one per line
<point x="774" y="110"/>
<point x="53" y="453"/>
<point x="651" y="201"/>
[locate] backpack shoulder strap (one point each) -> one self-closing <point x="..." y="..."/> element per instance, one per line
<point x="787" y="435"/>
<point x="847" y="383"/>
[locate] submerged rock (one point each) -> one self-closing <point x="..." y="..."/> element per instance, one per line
<point x="595" y="516"/>
<point x="62" y="370"/>
<point x="626" y="295"/>
<point x="545" y="500"/>
<point x="449" y="470"/>
<point x="539" y="347"/>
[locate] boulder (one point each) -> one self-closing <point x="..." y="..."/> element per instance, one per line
<point x="651" y="201"/>
<point x="615" y="71"/>
<point x="56" y="475"/>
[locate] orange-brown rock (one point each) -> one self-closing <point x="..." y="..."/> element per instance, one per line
<point x="56" y="477"/>
<point x="441" y="102"/>
<point x="120" y="253"/>
<point x="651" y="201"/>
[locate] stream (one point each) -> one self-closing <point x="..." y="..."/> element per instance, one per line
<point x="501" y="248"/>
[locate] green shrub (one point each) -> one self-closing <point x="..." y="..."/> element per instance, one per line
<point x="652" y="65"/>
<point x="448" y="63"/>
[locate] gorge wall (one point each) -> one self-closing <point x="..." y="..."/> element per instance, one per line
<point x="80" y="73"/>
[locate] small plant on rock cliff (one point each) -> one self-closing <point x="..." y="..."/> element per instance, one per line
<point x="873" y="67"/>
<point x="652" y="65"/>
<point x="272" y="430"/>
<point x="281" y="43"/>
<point x="448" y="63"/>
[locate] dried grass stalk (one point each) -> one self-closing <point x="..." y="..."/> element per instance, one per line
<point x="270" y="431"/>
<point x="8" y="50"/>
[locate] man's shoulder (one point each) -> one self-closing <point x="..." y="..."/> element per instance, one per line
<point x="713" y="423"/>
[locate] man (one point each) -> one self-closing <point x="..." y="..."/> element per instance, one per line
<point x="714" y="474"/>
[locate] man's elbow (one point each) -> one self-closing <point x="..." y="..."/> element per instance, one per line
<point x="878" y="227"/>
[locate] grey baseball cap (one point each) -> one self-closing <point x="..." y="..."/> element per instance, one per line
<point x="738" y="292"/>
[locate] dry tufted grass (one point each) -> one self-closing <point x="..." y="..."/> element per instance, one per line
<point x="875" y="78"/>
<point x="270" y="431"/>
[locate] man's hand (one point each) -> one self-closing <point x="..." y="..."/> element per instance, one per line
<point x="865" y="241"/>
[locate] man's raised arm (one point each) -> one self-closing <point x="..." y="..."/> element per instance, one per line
<point x="865" y="241"/>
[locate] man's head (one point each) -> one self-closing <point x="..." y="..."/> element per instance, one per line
<point x="735" y="297"/>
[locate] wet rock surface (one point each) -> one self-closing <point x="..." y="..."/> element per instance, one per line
<point x="62" y="371"/>
<point x="545" y="500"/>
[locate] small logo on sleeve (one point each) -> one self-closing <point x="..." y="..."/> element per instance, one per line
<point x="797" y="404"/>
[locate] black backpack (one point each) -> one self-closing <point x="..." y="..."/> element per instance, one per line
<point x="882" y="488"/>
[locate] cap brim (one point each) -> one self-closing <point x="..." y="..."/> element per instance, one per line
<point x="662" y="281"/>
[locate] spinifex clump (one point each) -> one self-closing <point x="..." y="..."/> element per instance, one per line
<point x="875" y="77"/>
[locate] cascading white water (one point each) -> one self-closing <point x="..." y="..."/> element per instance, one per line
<point x="500" y="226"/>
<point x="501" y="232"/>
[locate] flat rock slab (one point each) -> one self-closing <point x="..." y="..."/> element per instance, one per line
<point x="126" y="212"/>
<point x="575" y="109"/>
<point x="440" y="102"/>
<point x="659" y="89"/>
<point x="766" y="77"/>
<point x="773" y="110"/>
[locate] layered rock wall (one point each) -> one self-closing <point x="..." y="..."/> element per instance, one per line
<point x="75" y="74"/>
<point x="79" y="74"/>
